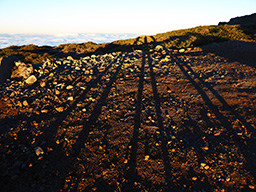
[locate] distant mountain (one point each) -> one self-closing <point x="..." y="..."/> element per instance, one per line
<point x="243" y="20"/>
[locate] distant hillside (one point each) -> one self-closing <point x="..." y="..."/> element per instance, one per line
<point x="192" y="37"/>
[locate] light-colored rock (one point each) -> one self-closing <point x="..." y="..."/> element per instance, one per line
<point x="39" y="151"/>
<point x="22" y="70"/>
<point x="12" y="94"/>
<point x="65" y="62"/>
<point x="70" y="98"/>
<point x="159" y="48"/>
<point x="44" y="111"/>
<point x="70" y="58"/>
<point x="58" y="62"/>
<point x="69" y="87"/>
<point x="59" y="109"/>
<point x="194" y="178"/>
<point x="182" y="50"/>
<point x="57" y="92"/>
<point x="31" y="80"/>
<point x="251" y="186"/>
<point x="42" y="84"/>
<point x="25" y="103"/>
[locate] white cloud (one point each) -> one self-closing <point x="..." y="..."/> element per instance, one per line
<point x="7" y="40"/>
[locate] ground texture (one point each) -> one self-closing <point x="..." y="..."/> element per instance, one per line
<point x="147" y="120"/>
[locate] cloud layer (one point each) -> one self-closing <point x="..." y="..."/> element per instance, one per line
<point x="7" y="40"/>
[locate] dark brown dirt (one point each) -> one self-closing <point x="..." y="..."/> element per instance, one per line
<point x="142" y="121"/>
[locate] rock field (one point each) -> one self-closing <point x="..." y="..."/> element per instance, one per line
<point x="147" y="120"/>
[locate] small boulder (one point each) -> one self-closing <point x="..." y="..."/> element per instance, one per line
<point x="22" y="70"/>
<point x="6" y="66"/>
<point x="31" y="80"/>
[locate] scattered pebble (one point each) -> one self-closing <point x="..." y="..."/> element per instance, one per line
<point x="69" y="87"/>
<point x="251" y="187"/>
<point x="59" y="109"/>
<point x="44" y="111"/>
<point x="70" y="98"/>
<point x="42" y="84"/>
<point x="39" y="151"/>
<point x="205" y="148"/>
<point x="25" y="103"/>
<point x="182" y="50"/>
<point x="194" y="178"/>
<point x="146" y="157"/>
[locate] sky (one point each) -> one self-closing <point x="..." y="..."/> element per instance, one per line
<point x="116" y="16"/>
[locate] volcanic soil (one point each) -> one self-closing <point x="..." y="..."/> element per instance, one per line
<point x="147" y="120"/>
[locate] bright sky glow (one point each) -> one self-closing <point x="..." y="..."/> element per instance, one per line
<point x="116" y="16"/>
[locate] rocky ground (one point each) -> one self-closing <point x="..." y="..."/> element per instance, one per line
<point x="147" y="120"/>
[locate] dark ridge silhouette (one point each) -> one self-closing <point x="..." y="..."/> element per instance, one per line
<point x="242" y="20"/>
